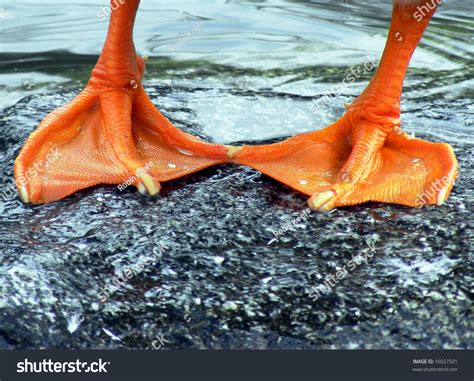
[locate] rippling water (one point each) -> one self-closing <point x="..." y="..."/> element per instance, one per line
<point x="247" y="70"/>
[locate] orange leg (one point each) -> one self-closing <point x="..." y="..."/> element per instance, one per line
<point x="365" y="156"/>
<point x="111" y="133"/>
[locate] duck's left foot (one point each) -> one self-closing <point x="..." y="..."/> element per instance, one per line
<point x="391" y="168"/>
<point x="355" y="161"/>
<point x="365" y="156"/>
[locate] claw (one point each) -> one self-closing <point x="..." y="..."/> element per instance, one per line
<point x="148" y="182"/>
<point x="442" y="196"/>
<point x="319" y="201"/>
<point x="141" y="189"/>
<point x="24" y="196"/>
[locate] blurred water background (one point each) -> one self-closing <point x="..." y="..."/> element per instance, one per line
<point x="246" y="70"/>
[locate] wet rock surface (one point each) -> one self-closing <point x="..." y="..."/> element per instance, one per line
<point x="205" y="270"/>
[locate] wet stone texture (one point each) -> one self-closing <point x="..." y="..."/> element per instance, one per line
<point x="205" y="272"/>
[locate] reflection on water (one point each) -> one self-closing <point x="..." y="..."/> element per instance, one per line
<point x="246" y="70"/>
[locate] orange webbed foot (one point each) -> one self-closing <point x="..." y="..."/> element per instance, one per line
<point x="111" y="133"/>
<point x="405" y="171"/>
<point x="108" y="137"/>
<point x="347" y="164"/>
<point x="365" y="156"/>
<point x="387" y="165"/>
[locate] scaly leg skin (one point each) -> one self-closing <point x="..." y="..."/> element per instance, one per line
<point x="111" y="133"/>
<point x="365" y="156"/>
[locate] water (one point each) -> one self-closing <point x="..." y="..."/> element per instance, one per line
<point x="258" y="64"/>
<point x="235" y="71"/>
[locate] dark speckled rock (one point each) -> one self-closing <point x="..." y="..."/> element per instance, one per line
<point x="206" y="272"/>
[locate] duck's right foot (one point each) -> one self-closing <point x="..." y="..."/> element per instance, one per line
<point x="111" y="133"/>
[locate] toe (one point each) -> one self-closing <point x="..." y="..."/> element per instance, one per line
<point x="322" y="201"/>
<point x="23" y="194"/>
<point x="151" y="186"/>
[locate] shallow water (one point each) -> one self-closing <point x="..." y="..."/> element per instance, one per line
<point x="258" y="63"/>
<point x="249" y="72"/>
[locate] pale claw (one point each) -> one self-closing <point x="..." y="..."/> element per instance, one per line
<point x="24" y="196"/>
<point x="320" y="202"/>
<point x="442" y="196"/>
<point x="148" y="182"/>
